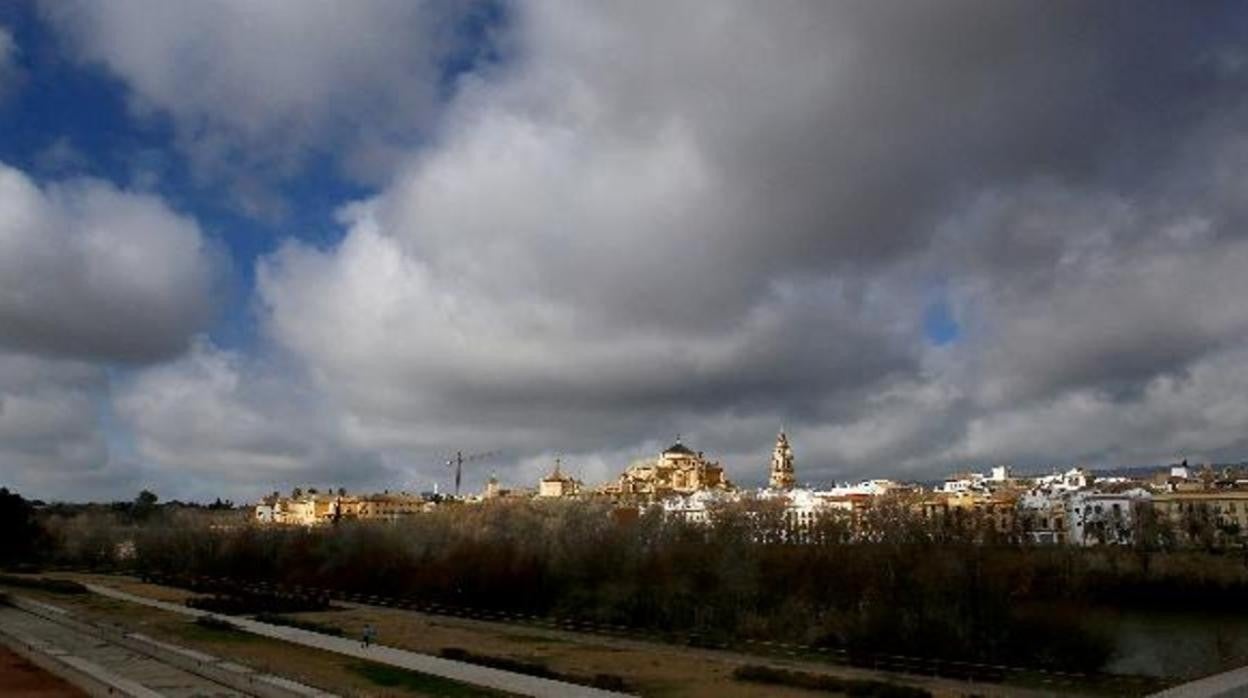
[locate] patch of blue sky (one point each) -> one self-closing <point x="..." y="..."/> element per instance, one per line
<point x="474" y="46"/>
<point x="940" y="327"/>
<point x="65" y="119"/>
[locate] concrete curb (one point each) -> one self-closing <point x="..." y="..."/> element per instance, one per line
<point x="240" y="678"/>
<point x="1230" y="684"/>
<point x="92" y="678"/>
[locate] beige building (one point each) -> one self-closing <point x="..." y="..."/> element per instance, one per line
<point x="1226" y="510"/>
<point x="557" y="484"/>
<point x="301" y="510"/>
<point x="995" y="511"/>
<point x="495" y="490"/>
<point x="678" y="470"/>
<point x="315" y="508"/>
<point x="383" y="506"/>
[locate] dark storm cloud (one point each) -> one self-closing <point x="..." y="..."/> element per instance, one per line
<point x="256" y="93"/>
<point x="841" y="134"/>
<point x="51" y="443"/>
<point x="638" y="223"/>
<point x="668" y="214"/>
<point x="715" y="219"/>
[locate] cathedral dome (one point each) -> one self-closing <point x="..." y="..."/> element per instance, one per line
<point x="680" y="449"/>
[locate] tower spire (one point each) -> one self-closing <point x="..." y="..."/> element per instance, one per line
<point x="782" y="476"/>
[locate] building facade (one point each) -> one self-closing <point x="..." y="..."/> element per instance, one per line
<point x="677" y="471"/>
<point x="782" y="476"/>
<point x="557" y="484"/>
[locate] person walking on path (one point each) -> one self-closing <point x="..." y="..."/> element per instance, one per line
<point x="370" y="636"/>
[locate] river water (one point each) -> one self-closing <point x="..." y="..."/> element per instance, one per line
<point x="1181" y="645"/>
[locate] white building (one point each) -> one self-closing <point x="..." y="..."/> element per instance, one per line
<point x="995" y="478"/>
<point x="870" y="488"/>
<point x="694" y="508"/>
<point x="964" y="482"/>
<point x="1108" y="518"/>
<point x="1042" y="515"/>
<point x="1071" y="480"/>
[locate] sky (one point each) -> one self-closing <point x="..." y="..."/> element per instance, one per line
<point x="250" y="246"/>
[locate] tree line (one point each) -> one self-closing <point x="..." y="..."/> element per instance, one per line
<point x="959" y="590"/>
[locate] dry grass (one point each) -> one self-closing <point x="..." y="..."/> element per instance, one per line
<point x="130" y="585"/>
<point x="650" y="669"/>
<point x="314" y="667"/>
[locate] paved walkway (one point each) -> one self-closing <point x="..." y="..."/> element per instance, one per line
<point x="129" y="672"/>
<point x="403" y="659"/>
<point x="1230" y="684"/>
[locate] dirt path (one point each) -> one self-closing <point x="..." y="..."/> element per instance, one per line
<point x="19" y="677"/>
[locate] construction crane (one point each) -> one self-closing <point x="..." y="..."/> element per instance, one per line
<point x="458" y="463"/>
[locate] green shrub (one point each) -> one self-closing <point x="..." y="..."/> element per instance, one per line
<point x="819" y="682"/>
<point x="215" y="623"/>
<point x="609" y="682"/>
<point x="518" y="666"/>
<point x="425" y="684"/>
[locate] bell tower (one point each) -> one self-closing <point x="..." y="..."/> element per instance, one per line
<point x="782" y="477"/>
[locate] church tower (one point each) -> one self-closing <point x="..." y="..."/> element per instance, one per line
<point x="782" y="465"/>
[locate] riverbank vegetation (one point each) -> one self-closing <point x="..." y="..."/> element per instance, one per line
<point x="910" y="590"/>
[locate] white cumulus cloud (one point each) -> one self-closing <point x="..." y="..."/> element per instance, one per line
<point x="93" y="272"/>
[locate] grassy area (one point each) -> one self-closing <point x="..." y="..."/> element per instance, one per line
<point x="422" y="684"/>
<point x="213" y="630"/>
<point x="649" y="670"/>
<point x="534" y="639"/>
<point x="820" y="682"/>
<point x="313" y="626"/>
<point x="55" y="586"/>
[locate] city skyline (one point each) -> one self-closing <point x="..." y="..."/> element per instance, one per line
<point x="338" y="243"/>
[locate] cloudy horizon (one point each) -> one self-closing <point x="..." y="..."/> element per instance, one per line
<point x="245" y="247"/>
